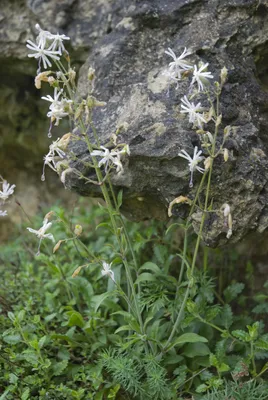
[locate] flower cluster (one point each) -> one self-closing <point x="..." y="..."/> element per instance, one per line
<point x="47" y="46"/>
<point x="179" y="66"/>
<point x="195" y="112"/>
<point x="111" y="159"/>
<point x="5" y="193"/>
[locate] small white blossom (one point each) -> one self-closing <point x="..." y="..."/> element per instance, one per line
<point x="41" y="233"/>
<point x="50" y="158"/>
<point x="7" y="190"/>
<point x="43" y="36"/>
<point x="201" y="77"/>
<point x="57" y="112"/>
<point x="109" y="158"/>
<point x="106" y="270"/>
<point x="55" y="99"/>
<point x="57" y="107"/>
<point x="57" y="44"/>
<point x="42" y="53"/>
<point x="193" y="162"/>
<point x="3" y="213"/>
<point x="193" y="110"/>
<point x="179" y="64"/>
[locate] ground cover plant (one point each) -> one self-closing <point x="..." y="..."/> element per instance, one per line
<point x="104" y="308"/>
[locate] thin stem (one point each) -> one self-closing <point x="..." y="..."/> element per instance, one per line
<point x="179" y="317"/>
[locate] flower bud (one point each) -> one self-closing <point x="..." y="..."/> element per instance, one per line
<point x="49" y="215"/>
<point x="207" y="162"/>
<point x="227" y="131"/>
<point x="225" y="154"/>
<point x="91" y="74"/>
<point x="78" y="230"/>
<point x="76" y="272"/>
<point x="224" y="73"/>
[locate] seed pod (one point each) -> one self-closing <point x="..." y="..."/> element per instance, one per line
<point x="57" y="246"/>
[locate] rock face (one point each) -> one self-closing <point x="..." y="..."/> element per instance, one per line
<point x="125" y="42"/>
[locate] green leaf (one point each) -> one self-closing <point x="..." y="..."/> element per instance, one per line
<point x="123" y="328"/>
<point x="25" y="394"/>
<point x="188" y="338"/>
<point x="21" y="315"/>
<point x="145" y="277"/>
<point x="42" y="342"/>
<point x="193" y="350"/>
<point x="232" y="291"/>
<point x="241" y="335"/>
<point x="59" y="367"/>
<point x="150" y="267"/>
<point x="99" y="299"/>
<point x="12" y="339"/>
<point x="202" y="388"/>
<point x="261" y="344"/>
<point x="75" y="319"/>
<point x="119" y="199"/>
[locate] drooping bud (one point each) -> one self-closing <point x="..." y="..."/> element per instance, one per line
<point x="227" y="131"/>
<point x="76" y="272"/>
<point x="225" y="154"/>
<point x="42" y="77"/>
<point x="49" y="215"/>
<point x="57" y="246"/>
<point x="218" y="120"/>
<point x="224" y="73"/>
<point x="207" y="162"/>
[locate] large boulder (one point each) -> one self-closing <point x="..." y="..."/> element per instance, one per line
<point x="129" y="62"/>
<point x="125" y="42"/>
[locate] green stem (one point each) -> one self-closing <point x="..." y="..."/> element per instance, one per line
<point x="180" y="315"/>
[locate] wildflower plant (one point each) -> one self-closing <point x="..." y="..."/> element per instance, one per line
<point x="153" y="320"/>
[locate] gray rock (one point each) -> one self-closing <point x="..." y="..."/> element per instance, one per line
<point x="125" y="43"/>
<point x="129" y="62"/>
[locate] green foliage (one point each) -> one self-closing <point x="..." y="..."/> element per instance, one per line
<point x="80" y="338"/>
<point x="239" y="391"/>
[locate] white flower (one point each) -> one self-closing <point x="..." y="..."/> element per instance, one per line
<point x="179" y="64"/>
<point x="43" y="36"/>
<point x="57" y="107"/>
<point x="57" y="112"/>
<point x="109" y="158"/>
<point x="41" y="233"/>
<point x="201" y="77"/>
<point x="57" y="44"/>
<point x="193" y="162"/>
<point x="7" y="190"/>
<point x="53" y="100"/>
<point x="194" y="116"/>
<point x="106" y="270"/>
<point x="50" y="158"/>
<point x="42" y="53"/>
<point x="3" y="213"/>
